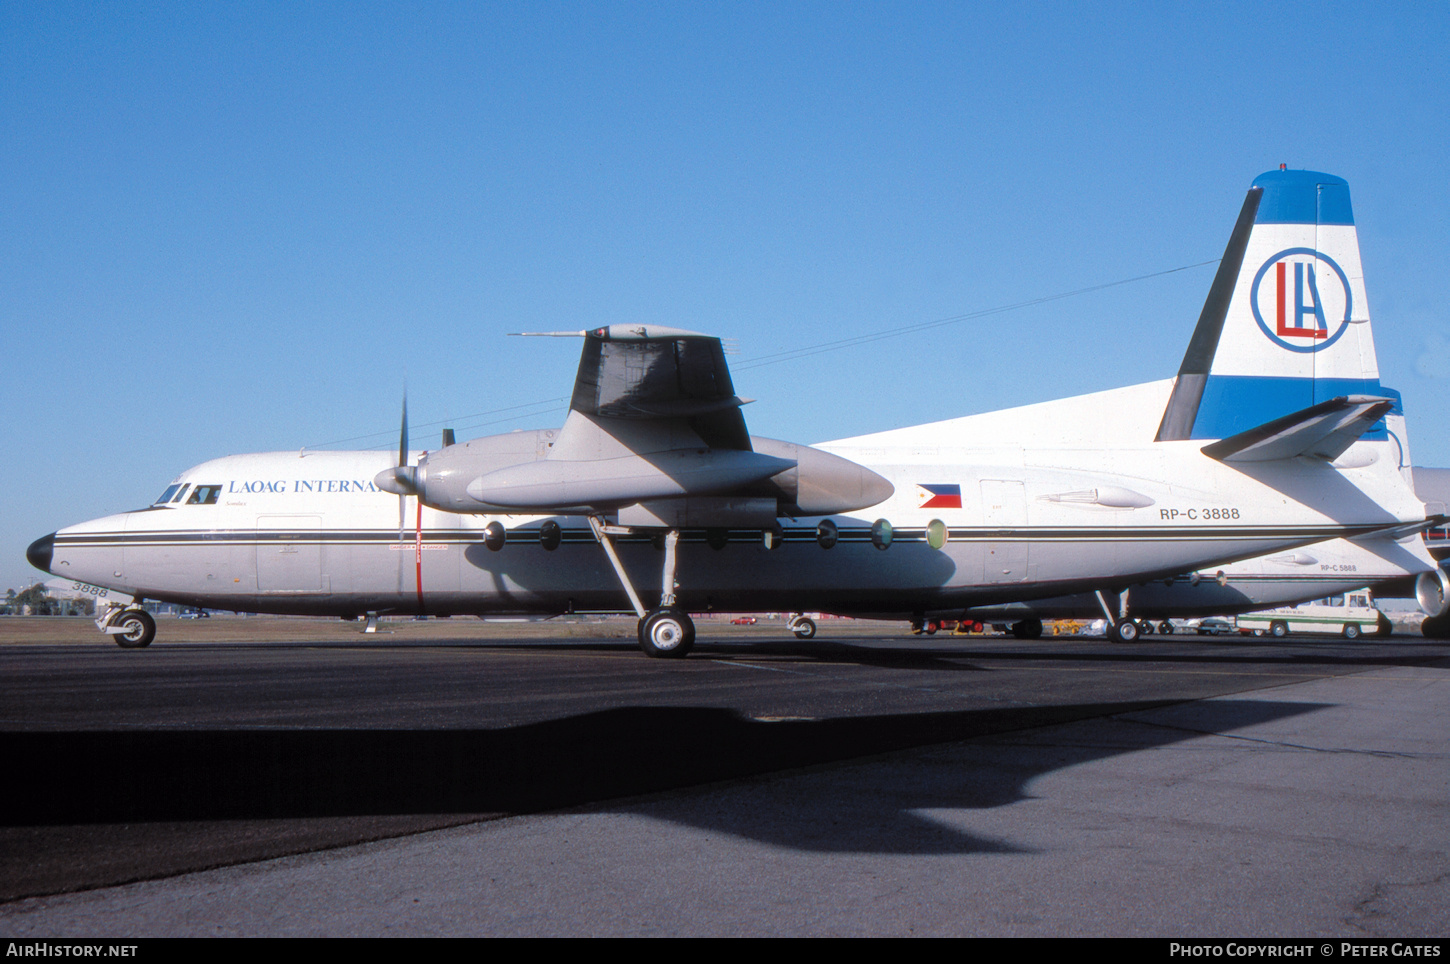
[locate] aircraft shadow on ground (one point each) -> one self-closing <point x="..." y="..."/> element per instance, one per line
<point x="77" y="778"/>
<point x="917" y="653"/>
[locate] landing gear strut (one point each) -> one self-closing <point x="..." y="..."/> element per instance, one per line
<point x="664" y="631"/>
<point x="1121" y="627"/>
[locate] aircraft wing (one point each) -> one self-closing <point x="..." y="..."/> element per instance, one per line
<point x="648" y="372"/>
<point x="1323" y="431"/>
<point x="654" y="427"/>
<point x="654" y="415"/>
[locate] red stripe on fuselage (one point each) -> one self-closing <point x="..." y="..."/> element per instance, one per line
<point x="418" y="555"/>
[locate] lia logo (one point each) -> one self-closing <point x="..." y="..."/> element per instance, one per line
<point x="1301" y="300"/>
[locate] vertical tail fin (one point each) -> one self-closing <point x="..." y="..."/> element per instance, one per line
<point x="1286" y="324"/>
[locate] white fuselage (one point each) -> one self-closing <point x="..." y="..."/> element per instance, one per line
<point x="311" y="533"/>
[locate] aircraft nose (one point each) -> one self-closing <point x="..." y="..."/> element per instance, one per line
<point x="40" y="552"/>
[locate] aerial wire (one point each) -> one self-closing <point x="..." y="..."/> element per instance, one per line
<point x="795" y="353"/>
<point x="760" y="361"/>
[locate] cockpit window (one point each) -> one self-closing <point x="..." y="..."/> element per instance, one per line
<point x="204" y="495"/>
<point x="166" y="496"/>
<point x="177" y="497"/>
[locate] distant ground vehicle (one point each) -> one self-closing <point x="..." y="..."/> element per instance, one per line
<point x="743" y="621"/>
<point x="1351" y="615"/>
<point x="194" y="614"/>
<point x="1215" y="626"/>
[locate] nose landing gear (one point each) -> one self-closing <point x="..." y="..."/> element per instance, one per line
<point x="132" y="628"/>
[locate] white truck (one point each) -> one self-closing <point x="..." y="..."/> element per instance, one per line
<point x="1351" y="615"/>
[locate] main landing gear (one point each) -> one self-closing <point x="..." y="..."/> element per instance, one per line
<point x="801" y="625"/>
<point x="1028" y="628"/>
<point x="665" y="632"/>
<point x="1121" y="627"/>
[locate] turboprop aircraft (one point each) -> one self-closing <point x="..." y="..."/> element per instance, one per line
<point x="1270" y="438"/>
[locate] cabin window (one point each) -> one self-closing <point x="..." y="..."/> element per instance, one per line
<point x="166" y="496"/>
<point x="937" y="533"/>
<point x="1336" y="600"/>
<point x="204" y="495"/>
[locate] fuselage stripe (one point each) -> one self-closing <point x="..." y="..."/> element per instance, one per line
<point x="584" y="536"/>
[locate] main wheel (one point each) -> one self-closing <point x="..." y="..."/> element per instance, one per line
<point x="1350" y="631"/>
<point x="1124" y="631"/>
<point x="1436" y="627"/>
<point x="804" y="628"/>
<point x="137" y="629"/>
<point x="1279" y="628"/>
<point x="1165" y="628"/>
<point x="1028" y="629"/>
<point x="666" y="633"/>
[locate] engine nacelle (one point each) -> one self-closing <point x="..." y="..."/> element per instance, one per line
<point x="513" y="473"/>
<point x="441" y="478"/>
<point x="821" y="483"/>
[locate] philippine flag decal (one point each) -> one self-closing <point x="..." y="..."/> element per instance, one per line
<point x="939" y="496"/>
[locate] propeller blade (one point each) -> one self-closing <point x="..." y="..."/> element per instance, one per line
<point x="402" y="484"/>
<point x="402" y="478"/>
<point x="403" y="434"/>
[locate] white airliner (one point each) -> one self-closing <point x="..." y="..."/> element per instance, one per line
<point x="1270" y="439"/>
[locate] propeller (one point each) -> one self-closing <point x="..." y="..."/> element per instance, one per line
<point x="402" y="478"/>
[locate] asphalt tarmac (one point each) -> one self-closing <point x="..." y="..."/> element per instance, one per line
<point x="295" y="778"/>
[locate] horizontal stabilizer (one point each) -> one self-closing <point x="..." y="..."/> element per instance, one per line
<point x="1322" y="431"/>
<point x="1405" y="531"/>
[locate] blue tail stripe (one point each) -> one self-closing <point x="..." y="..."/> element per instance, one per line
<point x="1236" y="403"/>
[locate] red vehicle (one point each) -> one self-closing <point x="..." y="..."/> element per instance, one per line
<point x="743" y="621"/>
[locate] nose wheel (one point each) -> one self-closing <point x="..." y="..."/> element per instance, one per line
<point x="136" y="629"/>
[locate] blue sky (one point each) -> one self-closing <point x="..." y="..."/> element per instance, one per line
<point x="243" y="227"/>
